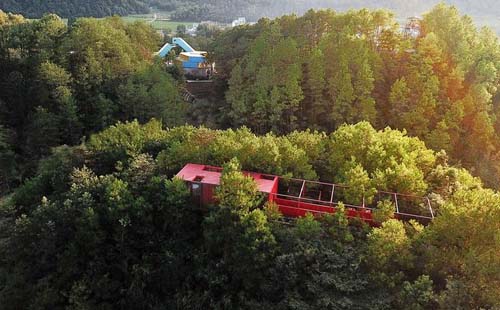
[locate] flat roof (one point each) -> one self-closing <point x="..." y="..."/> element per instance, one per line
<point x="211" y="175"/>
<point x="194" y="54"/>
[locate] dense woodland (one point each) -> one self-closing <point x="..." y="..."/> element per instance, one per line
<point x="323" y="69"/>
<point x="74" y="8"/>
<point x="102" y="226"/>
<point x="93" y="128"/>
<point x="60" y="84"/>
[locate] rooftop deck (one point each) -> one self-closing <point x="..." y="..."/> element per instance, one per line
<point x="296" y="197"/>
<point x="211" y="175"/>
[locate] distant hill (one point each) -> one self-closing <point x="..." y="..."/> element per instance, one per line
<point x="406" y="7"/>
<point x="485" y="12"/>
<point x="73" y="8"/>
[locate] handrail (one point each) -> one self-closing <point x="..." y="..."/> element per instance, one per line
<point x="402" y="203"/>
<point x="324" y="212"/>
<point x="334" y="186"/>
<point x="315" y="202"/>
<point x="333" y="205"/>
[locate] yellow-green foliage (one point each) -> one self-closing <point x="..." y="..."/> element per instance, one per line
<point x="384" y="211"/>
<point x="464" y="240"/>
<point x="237" y="191"/>
<point x="390" y="159"/>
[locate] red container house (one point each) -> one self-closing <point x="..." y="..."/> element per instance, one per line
<point x="296" y="197"/>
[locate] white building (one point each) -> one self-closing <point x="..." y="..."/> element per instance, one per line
<point x="238" y="22"/>
<point x="192" y="30"/>
<point x="413" y="27"/>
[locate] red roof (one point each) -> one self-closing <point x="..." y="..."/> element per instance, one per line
<point x="211" y="175"/>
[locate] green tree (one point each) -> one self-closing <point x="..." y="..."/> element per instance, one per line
<point x="475" y="53"/>
<point x="151" y="93"/>
<point x="238" y="241"/>
<point x="391" y="160"/>
<point x="360" y="191"/>
<point x="317" y="267"/>
<point x="415" y="110"/>
<point x="349" y="66"/>
<point x="124" y="141"/>
<point x="7" y="162"/>
<point x="237" y="191"/>
<point x="181" y="29"/>
<point x="102" y="54"/>
<point x="417" y="295"/>
<point x="56" y="94"/>
<point x="42" y="133"/>
<point x="265" y="86"/>
<point x="314" y="105"/>
<point x="390" y="246"/>
<point x="461" y="247"/>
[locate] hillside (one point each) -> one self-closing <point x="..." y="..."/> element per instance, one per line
<point x="104" y="226"/>
<point x="73" y="8"/>
<point x="256" y="9"/>
<point x="94" y="129"/>
<point x="485" y="12"/>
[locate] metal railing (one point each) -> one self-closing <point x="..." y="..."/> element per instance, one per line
<point x="395" y="198"/>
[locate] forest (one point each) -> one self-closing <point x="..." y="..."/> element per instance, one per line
<point x="93" y="129"/>
<point x="74" y="8"/>
<point x="227" y="10"/>
<point x="324" y="69"/>
<point x="484" y="11"/>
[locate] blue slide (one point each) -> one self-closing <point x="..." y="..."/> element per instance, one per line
<point x="175" y="42"/>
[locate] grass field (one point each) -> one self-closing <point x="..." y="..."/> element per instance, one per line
<point x="159" y="24"/>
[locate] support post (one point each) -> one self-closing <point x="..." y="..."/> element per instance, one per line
<point x="430" y="207"/>
<point x="301" y="191"/>
<point x="331" y="198"/>
<point x="396" y="202"/>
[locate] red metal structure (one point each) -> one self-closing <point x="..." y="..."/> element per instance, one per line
<point x="296" y="197"/>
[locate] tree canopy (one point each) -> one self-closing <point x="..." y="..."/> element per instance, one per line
<point x="109" y="228"/>
<point x="324" y="69"/>
<point x="62" y="83"/>
<point x="93" y="130"/>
